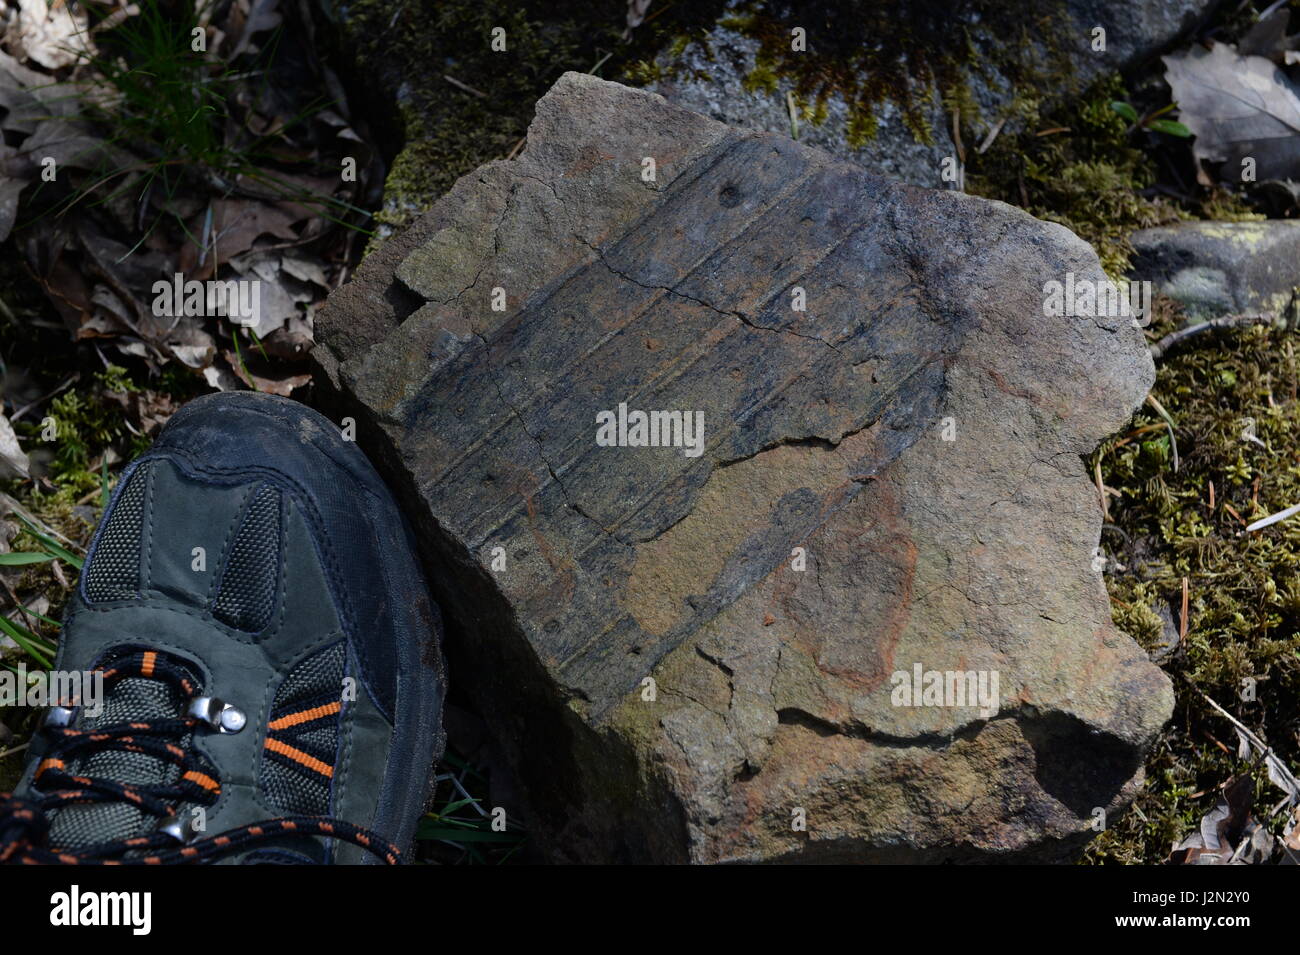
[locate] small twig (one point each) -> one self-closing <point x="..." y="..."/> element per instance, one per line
<point x="993" y="134"/>
<point x="16" y="749"/>
<point x="71" y="379"/>
<point x="1138" y="432"/>
<point x="1290" y="360"/>
<point x="1159" y="349"/>
<point x="1227" y="752"/>
<point x="1182" y="621"/>
<point x="1271" y="8"/>
<point x="464" y="86"/>
<point x="89" y="496"/>
<point x="1279" y="806"/>
<point x="1272" y="519"/>
<point x="27" y="614"/>
<point x="1101" y="490"/>
<point x="115" y="18"/>
<point x="517" y="146"/>
<point x="1265" y="751"/>
<point x="794" y="114"/>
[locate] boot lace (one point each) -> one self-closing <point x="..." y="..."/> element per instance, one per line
<point x="25" y="824"/>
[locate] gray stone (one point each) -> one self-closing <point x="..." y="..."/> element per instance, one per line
<point x="710" y="77"/>
<point x="683" y="656"/>
<point x="1218" y="268"/>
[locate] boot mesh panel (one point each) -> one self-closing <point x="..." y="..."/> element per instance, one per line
<point x="114" y="571"/>
<point x="290" y="786"/>
<point x="246" y="598"/>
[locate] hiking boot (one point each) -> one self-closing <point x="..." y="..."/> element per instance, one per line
<point x="270" y="657"/>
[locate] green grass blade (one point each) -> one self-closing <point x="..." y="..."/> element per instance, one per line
<point x="27" y="646"/>
<point x="41" y="617"/>
<point x="20" y="557"/>
<point x="55" y="548"/>
<point x="464" y="835"/>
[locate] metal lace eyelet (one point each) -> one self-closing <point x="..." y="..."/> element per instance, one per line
<point x="217" y="713"/>
<point x="179" y="828"/>
<point x="58" y="717"/>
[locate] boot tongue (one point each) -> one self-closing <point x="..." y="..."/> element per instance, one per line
<point x="132" y="699"/>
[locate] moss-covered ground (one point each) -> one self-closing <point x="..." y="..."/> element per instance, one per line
<point x="1233" y="400"/>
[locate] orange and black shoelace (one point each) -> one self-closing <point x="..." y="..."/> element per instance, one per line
<point x="24" y="824"/>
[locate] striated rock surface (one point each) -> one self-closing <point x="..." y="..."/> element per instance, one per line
<point x="697" y="652"/>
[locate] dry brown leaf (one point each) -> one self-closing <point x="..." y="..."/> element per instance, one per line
<point x="636" y="11"/>
<point x="10" y="190"/>
<point x="1229" y="833"/>
<point x="292" y="342"/>
<point x="305" y="268"/>
<point x="1237" y="107"/>
<point x="147" y="410"/>
<point x="13" y="460"/>
<point x="1291" y="838"/>
<point x="262" y="16"/>
<point x="280" y="295"/>
<point x="92" y="262"/>
<point x="221" y="378"/>
<point x="1267" y="38"/>
<point x="50" y="34"/>
<point x="277" y="382"/>
<point x="238" y="223"/>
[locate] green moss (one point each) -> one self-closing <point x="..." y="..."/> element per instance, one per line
<point x="762" y="78"/>
<point x="440" y="131"/>
<point x="1243" y="589"/>
<point x="1220" y="205"/>
<point x="1088" y="175"/>
<point x="418" y="175"/>
<point x="85" y="424"/>
<point x="643" y="73"/>
<point x="899" y="52"/>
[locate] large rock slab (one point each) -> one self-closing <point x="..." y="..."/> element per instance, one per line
<point x="670" y="680"/>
